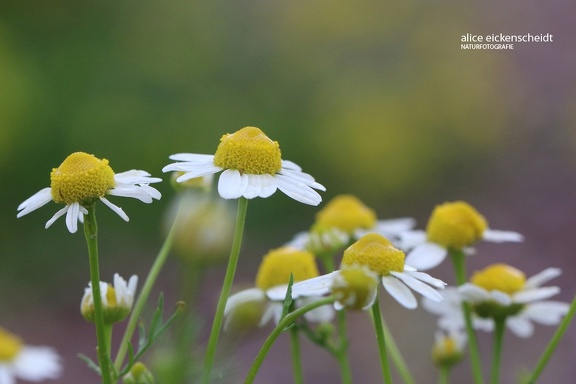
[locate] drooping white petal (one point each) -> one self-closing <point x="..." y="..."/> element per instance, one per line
<point x="232" y="184"/>
<point x="192" y="170"/>
<point x="543" y="277"/>
<point x="546" y="312"/>
<point x="287" y="164"/>
<point x="119" y="211"/>
<point x="418" y="286"/>
<point x="37" y="200"/>
<point x="56" y="216"/>
<point x="395" y="226"/>
<point x="316" y="286"/>
<point x="72" y="217"/>
<point x="426" y="256"/>
<point x="254" y="186"/>
<point x="520" y="326"/>
<point x="399" y="291"/>
<point x="497" y="236"/>
<point x="135" y="176"/>
<point x="527" y="296"/>
<point x="501" y="298"/>
<point x="322" y="314"/>
<point x="242" y="297"/>
<point x="6" y="375"/>
<point x="133" y="191"/>
<point x="302" y="177"/>
<point x="37" y="363"/>
<point x="298" y="190"/>
<point x="268" y="186"/>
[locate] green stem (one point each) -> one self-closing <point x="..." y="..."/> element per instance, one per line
<point x="551" y="347"/>
<point x="396" y="356"/>
<point x="443" y="374"/>
<point x="500" y="326"/>
<point x="380" y="337"/>
<point x="284" y="322"/>
<point x="458" y="261"/>
<point x="342" y="348"/>
<point x="91" y="234"/>
<point x="143" y="297"/>
<point x="296" y="358"/>
<point x="226" y="286"/>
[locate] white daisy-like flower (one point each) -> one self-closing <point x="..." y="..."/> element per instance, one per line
<point x="271" y="287"/>
<point x="346" y="218"/>
<point x="503" y="292"/>
<point x="81" y="180"/>
<point x="252" y="167"/>
<point x="379" y="255"/>
<point x="448" y="347"/>
<point x="454" y="225"/>
<point x="31" y="363"/>
<point x="117" y="299"/>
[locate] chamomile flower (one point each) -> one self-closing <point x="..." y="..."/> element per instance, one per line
<point x="343" y="219"/>
<point x="502" y="292"/>
<point x="31" y="363"/>
<point x="117" y="299"/>
<point x="82" y="179"/>
<point x="379" y="255"/>
<point x="448" y="348"/>
<point x="271" y="286"/>
<point x="252" y="167"/>
<point x="453" y="225"/>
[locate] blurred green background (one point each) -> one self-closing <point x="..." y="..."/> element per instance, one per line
<point x="373" y="98"/>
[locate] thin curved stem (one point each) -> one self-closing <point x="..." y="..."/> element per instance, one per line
<point x="377" y="317"/>
<point x="226" y="286"/>
<point x="500" y="326"/>
<point x="91" y="234"/>
<point x="458" y="261"/>
<point x="551" y="347"/>
<point x="296" y="358"/>
<point x="144" y="295"/>
<point x="284" y="322"/>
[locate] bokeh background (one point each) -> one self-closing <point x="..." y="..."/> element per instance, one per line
<point x="373" y="98"/>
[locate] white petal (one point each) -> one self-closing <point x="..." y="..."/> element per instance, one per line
<point x="395" y="226"/>
<point x="473" y="293"/>
<point x="232" y="184"/>
<point x="192" y="157"/>
<point x="418" y="286"/>
<point x="536" y="294"/>
<point x="242" y="297"/>
<point x="115" y="208"/>
<point x="277" y="293"/>
<point x="426" y="256"/>
<point x="497" y="236"/>
<point x="254" y="186"/>
<point x="436" y="283"/>
<point x="133" y="191"/>
<point x="298" y="190"/>
<point x="6" y="375"/>
<point x="39" y="199"/>
<point x="135" y="176"/>
<point x="37" y="363"/>
<point x="268" y="186"/>
<point x="316" y="286"/>
<point x="399" y="291"/>
<point x="411" y="239"/>
<point x="56" y="216"/>
<point x="302" y="177"/>
<point x="543" y="277"/>
<point x="287" y="164"/>
<point x="72" y="217"/>
<point x="546" y="312"/>
<point x="322" y="314"/>
<point x="520" y="326"/>
<point x="500" y="297"/>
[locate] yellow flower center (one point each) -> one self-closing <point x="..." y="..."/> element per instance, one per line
<point x="446" y="352"/>
<point x="250" y="151"/>
<point x="501" y="277"/>
<point x="81" y="178"/>
<point x="111" y="297"/>
<point x="455" y="225"/>
<point x="346" y="212"/>
<point x="377" y="253"/>
<point x="10" y="345"/>
<point x="355" y="286"/>
<point x="277" y="265"/>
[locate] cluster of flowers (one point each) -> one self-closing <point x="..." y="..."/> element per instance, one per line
<point x="374" y="252"/>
